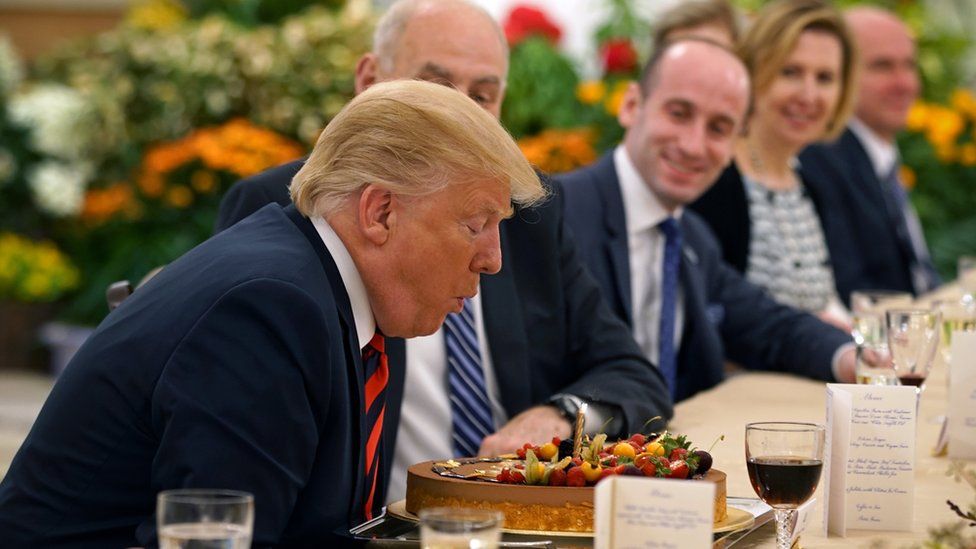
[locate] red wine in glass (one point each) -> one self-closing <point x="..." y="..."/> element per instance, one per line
<point x="915" y="380"/>
<point x="784" y="481"/>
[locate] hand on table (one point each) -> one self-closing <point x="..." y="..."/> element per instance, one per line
<point x="536" y="425"/>
<point x="845" y="365"/>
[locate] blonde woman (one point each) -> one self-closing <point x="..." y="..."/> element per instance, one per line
<point x="801" y="60"/>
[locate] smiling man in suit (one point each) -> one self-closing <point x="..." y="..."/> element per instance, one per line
<point x="659" y="264"/>
<point x="257" y="361"/>
<point x="858" y="175"/>
<point x="539" y="340"/>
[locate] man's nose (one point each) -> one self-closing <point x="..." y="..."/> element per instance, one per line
<point x="692" y="140"/>
<point x="488" y="256"/>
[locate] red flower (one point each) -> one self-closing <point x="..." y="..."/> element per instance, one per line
<point x="619" y="56"/>
<point x="524" y="22"/>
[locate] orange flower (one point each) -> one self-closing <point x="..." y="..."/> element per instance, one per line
<point x="967" y="154"/>
<point x="918" y="117"/>
<point x="102" y="204"/>
<point x="591" y="91"/>
<point x="964" y="101"/>
<point x="179" y="196"/>
<point x="557" y="150"/>
<point x="203" y="181"/>
<point x="908" y="178"/>
<point x="151" y="184"/>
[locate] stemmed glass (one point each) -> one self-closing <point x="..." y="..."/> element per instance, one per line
<point x="966" y="273"/>
<point x="784" y="460"/>
<point x="870" y="335"/>
<point x="913" y="337"/>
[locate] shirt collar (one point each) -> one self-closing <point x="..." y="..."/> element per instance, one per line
<point x="883" y="155"/>
<point x="642" y="209"/>
<point x="362" y="314"/>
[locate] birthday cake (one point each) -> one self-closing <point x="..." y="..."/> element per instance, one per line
<point x="548" y="488"/>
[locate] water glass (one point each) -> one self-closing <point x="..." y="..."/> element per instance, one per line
<point x="958" y="315"/>
<point x="460" y="528"/>
<point x="873" y="366"/>
<point x="204" y="519"/>
<point x="784" y="461"/>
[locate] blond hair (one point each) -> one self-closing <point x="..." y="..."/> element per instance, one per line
<point x="695" y="13"/>
<point x="390" y="27"/>
<point x="774" y="34"/>
<point x="413" y="138"/>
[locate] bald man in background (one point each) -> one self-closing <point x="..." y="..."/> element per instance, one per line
<point x="859" y="173"/>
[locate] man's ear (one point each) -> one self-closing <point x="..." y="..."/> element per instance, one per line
<point x="366" y="72"/>
<point x="377" y="213"/>
<point x="630" y="106"/>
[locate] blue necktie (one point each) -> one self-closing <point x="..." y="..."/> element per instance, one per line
<point x="470" y="410"/>
<point x="667" y="359"/>
<point x="908" y="232"/>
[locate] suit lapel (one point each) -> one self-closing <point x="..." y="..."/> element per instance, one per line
<point x="615" y="225"/>
<point x="505" y="331"/>
<point x="353" y="354"/>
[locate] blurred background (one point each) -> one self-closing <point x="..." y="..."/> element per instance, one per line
<point x="123" y="122"/>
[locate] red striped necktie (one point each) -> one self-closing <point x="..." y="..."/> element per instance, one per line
<point x="377" y="373"/>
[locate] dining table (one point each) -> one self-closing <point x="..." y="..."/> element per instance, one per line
<point x="748" y="397"/>
<point x="721" y="414"/>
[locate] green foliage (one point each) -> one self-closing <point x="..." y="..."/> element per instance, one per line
<point x="253" y="12"/>
<point x="541" y="89"/>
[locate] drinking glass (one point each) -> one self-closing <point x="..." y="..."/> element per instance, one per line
<point x="966" y="274"/>
<point x="204" y="519"/>
<point x="958" y="315"/>
<point x="784" y="460"/>
<point x="913" y="337"/>
<point x="873" y="366"/>
<point x="460" y="528"/>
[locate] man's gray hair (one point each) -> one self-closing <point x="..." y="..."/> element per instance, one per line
<point x="391" y="25"/>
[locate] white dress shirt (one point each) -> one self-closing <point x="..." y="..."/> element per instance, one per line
<point x="643" y="212"/>
<point x="425" y="431"/>
<point x="362" y="313"/>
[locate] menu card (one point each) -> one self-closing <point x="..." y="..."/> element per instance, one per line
<point x="869" y="458"/>
<point x="962" y="396"/>
<point x="653" y="513"/>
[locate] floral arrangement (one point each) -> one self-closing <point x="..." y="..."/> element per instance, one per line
<point x="120" y="147"/>
<point x="33" y="271"/>
<point x="556" y="150"/>
<point x="939" y="153"/>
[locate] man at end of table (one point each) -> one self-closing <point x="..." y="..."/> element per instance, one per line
<point x="659" y="264"/>
<point x="542" y="339"/>
<point x="257" y="360"/>
<point x="859" y="173"/>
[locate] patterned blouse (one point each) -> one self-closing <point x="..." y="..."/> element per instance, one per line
<point x="787" y="252"/>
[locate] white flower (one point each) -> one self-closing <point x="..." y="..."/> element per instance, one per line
<point x="59" y="188"/>
<point x="59" y="119"/>
<point x="11" y="71"/>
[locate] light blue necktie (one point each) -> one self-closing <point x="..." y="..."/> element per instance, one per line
<point x="470" y="409"/>
<point x="667" y="359"/>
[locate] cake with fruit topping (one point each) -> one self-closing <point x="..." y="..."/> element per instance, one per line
<point x="548" y="487"/>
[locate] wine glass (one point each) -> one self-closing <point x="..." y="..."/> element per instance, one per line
<point x="784" y="460"/>
<point x="958" y="315"/>
<point x="966" y="275"/>
<point x="873" y="366"/>
<point x="913" y="337"/>
<point x="204" y="519"/>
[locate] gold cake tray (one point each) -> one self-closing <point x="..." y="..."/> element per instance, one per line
<point x="737" y="519"/>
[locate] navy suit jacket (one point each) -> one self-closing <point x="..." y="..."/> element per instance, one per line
<point x="725" y="316"/>
<point x="238" y="366"/>
<point x="548" y="327"/>
<point x="726" y="210"/>
<point x="843" y="175"/>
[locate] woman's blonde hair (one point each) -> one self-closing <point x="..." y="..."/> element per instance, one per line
<point x="413" y="138"/>
<point x="773" y="35"/>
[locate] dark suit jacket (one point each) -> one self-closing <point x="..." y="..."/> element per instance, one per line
<point x="726" y="210"/>
<point x="548" y="328"/>
<point x="725" y="316"/>
<point x="238" y="366"/>
<point x="843" y="175"/>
